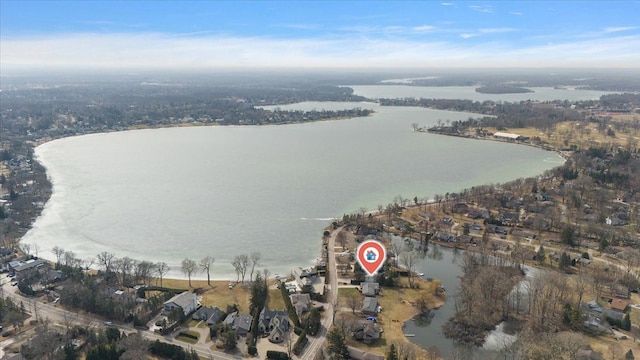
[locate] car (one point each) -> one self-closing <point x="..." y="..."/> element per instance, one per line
<point x="108" y="323"/>
<point x="372" y="318"/>
<point x="14" y="283"/>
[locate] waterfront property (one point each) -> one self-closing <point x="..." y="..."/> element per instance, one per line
<point x="186" y="301"/>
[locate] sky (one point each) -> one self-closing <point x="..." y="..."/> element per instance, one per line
<point x="319" y="34"/>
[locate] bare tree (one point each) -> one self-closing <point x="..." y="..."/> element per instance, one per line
<point x="26" y="247"/>
<point x="409" y="260"/>
<point x="142" y="271"/>
<point x="133" y="347"/>
<point x="352" y="300"/>
<point x="161" y="269"/>
<point x="241" y="263"/>
<point x="396" y="247"/>
<point x="125" y="264"/>
<point x="106" y="260"/>
<point x="188" y="267"/>
<point x="69" y="258"/>
<point x="36" y="248"/>
<point x="255" y="261"/>
<point x="58" y="252"/>
<point x="205" y="264"/>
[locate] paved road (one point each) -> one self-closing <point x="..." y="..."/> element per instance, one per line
<point x="315" y="343"/>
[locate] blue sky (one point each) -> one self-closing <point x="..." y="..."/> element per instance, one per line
<point x="358" y="34"/>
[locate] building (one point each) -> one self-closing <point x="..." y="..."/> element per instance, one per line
<point x="240" y="323"/>
<point x="274" y="323"/>
<point x="301" y="302"/>
<point x="187" y="301"/>
<point x="370" y="289"/>
<point x="507" y="136"/>
<point x="31" y="267"/>
<point x="210" y="315"/>
<point x="370" y="305"/>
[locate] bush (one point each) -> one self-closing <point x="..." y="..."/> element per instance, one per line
<point x="190" y="334"/>
<point x="298" y="330"/>
<point x="253" y="350"/>
<point x="300" y="344"/>
<point x="277" y="355"/>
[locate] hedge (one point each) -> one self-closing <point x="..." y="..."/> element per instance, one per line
<point x="277" y="355"/>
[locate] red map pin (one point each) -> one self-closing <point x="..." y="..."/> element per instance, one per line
<point x="371" y="256"/>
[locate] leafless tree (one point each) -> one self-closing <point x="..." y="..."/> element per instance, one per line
<point x="142" y="271"/>
<point x="188" y="267"/>
<point x="69" y="258"/>
<point x="162" y="269"/>
<point x="255" y="261"/>
<point x="205" y="264"/>
<point x="241" y="263"/>
<point x="409" y="260"/>
<point x="352" y="300"/>
<point x="133" y="347"/>
<point x="58" y="252"/>
<point x="396" y="248"/>
<point x="26" y="247"/>
<point x="106" y="259"/>
<point x="125" y="265"/>
<point x="36" y="249"/>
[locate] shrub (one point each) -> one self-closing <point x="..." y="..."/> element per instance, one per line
<point x="277" y="355"/>
<point x="300" y="343"/>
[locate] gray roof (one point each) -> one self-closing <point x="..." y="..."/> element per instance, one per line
<point x="370" y="305"/>
<point x="31" y="265"/>
<point x="211" y="314"/>
<point x="370" y="289"/>
<point x="184" y="300"/>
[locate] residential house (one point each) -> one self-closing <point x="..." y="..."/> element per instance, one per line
<point x="366" y="331"/>
<point x="187" y="301"/>
<point x="210" y="315"/>
<point x="618" y="308"/>
<point x="301" y="302"/>
<point x="274" y="323"/>
<point x="304" y="278"/>
<point x="370" y="305"/>
<point x="460" y="208"/>
<point x="370" y="288"/>
<point x="240" y="323"/>
<point x="31" y="267"/>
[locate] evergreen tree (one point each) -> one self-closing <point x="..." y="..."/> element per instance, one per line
<point x="393" y="353"/>
<point x="626" y="322"/>
<point x="629" y="355"/>
<point x="337" y="344"/>
<point x="540" y="255"/>
<point x="565" y="261"/>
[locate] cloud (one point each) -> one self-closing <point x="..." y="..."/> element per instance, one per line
<point x="469" y="35"/>
<point x="517" y="13"/>
<point x="482" y="8"/>
<point x="158" y="50"/>
<point x="496" y="30"/>
<point x="297" y="26"/>
<point x="446" y="4"/>
<point x="619" y="29"/>
<point x="423" y="28"/>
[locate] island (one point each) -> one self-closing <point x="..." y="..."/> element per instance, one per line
<point x="502" y="89"/>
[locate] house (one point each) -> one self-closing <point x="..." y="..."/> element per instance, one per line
<point x="274" y="323"/>
<point x="507" y="136"/>
<point x="52" y="276"/>
<point x="366" y="331"/>
<point x="304" y="278"/>
<point x="621" y="291"/>
<point x="187" y="301"/>
<point x="31" y="267"/>
<point x="619" y="305"/>
<point x="370" y="288"/>
<point x="301" y="302"/>
<point x="210" y="315"/>
<point x="370" y="305"/>
<point x="240" y="323"/>
<point x="459" y="208"/>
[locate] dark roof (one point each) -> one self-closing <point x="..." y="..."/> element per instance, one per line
<point x="370" y="304"/>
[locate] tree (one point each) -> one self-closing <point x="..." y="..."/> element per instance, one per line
<point x="393" y="353"/>
<point x="255" y="261"/>
<point x="228" y="338"/>
<point x="188" y="267"/>
<point x="353" y="300"/>
<point x="626" y="322"/>
<point x="162" y="269"/>
<point x="337" y="344"/>
<point x="396" y="247"/>
<point x="567" y="236"/>
<point x="205" y="264"/>
<point x="409" y="260"/>
<point x="106" y="260"/>
<point x="540" y="255"/>
<point x="629" y="355"/>
<point x="241" y="264"/>
<point x="565" y="261"/>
